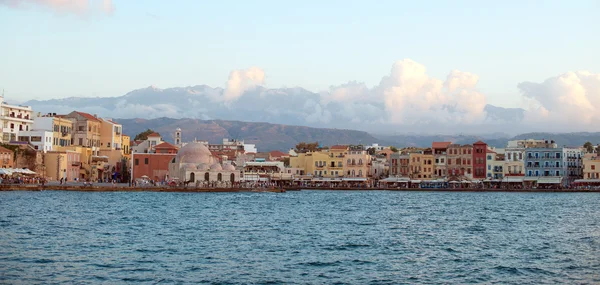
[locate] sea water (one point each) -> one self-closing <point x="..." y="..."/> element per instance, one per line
<point x="305" y="237"/>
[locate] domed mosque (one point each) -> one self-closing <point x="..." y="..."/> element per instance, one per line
<point x="195" y="163"/>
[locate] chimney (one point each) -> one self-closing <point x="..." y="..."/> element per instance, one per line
<point x="96" y="116"/>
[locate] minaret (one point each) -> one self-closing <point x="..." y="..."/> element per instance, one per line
<point x="178" y="137"/>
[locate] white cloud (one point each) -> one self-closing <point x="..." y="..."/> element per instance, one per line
<point x="570" y="100"/>
<point x="242" y="80"/>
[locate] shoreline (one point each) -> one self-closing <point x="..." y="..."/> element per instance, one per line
<point x="8" y="188"/>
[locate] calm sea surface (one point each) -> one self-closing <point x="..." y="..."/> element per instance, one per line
<point x="316" y="237"/>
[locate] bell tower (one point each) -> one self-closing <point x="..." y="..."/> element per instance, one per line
<point x="178" y="137"/>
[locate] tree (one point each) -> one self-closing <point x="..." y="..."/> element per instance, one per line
<point x="371" y="151"/>
<point x="589" y="147"/>
<point x="393" y="148"/>
<point x="143" y="135"/>
<point x="286" y="161"/>
<point x="303" y="147"/>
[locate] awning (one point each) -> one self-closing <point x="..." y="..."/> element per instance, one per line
<point x="530" y="179"/>
<point x="394" y="180"/>
<point x="415" y="181"/>
<point x="354" y="179"/>
<point x="550" y="180"/>
<point x="513" y="179"/>
<point x="587" y="181"/>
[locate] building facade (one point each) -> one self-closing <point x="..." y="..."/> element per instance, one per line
<point x="14" y="119"/>
<point x="86" y="130"/>
<point x="440" y="150"/>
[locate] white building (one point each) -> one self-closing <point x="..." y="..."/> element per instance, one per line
<point x="40" y="140"/>
<point x="250" y="148"/>
<point x="377" y="147"/>
<point x="573" y="163"/>
<point x="15" y="119"/>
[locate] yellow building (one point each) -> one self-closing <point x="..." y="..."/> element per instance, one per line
<point x="591" y="166"/>
<point x="319" y="164"/>
<point x="421" y="165"/>
<point x="62" y="164"/>
<point x="111" y="135"/>
<point x="337" y="161"/>
<point x="86" y="130"/>
<point x="126" y="146"/>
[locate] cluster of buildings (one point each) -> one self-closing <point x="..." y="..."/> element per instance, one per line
<point x="74" y="146"/>
<point x="82" y="146"/>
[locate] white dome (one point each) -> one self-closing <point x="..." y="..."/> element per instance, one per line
<point x="195" y="153"/>
<point x="229" y="167"/>
<point x="202" y="166"/>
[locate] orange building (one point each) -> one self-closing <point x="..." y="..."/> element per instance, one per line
<point x="7" y="156"/>
<point x="154" y="166"/>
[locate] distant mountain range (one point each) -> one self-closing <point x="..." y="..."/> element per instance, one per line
<point x="290" y="106"/>
<point x="277" y="119"/>
<point x="269" y="137"/>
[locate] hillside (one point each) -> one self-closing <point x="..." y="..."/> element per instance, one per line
<point x="266" y="136"/>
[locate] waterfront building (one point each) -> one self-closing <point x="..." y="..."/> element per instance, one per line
<point x="111" y="135"/>
<point x="357" y="161"/>
<point x="86" y="130"/>
<point x="494" y="165"/>
<point x="151" y="166"/>
<point x="399" y="165"/>
<point x="40" y="139"/>
<point x="479" y="160"/>
<point x="572" y="163"/>
<point x="545" y="160"/>
<point x="459" y="161"/>
<point x="326" y="163"/>
<point x="440" y="166"/>
<point x="60" y="127"/>
<point x="6" y="156"/>
<point x="421" y="165"/>
<point x="194" y="163"/>
<point x="63" y="164"/>
<point x="266" y="171"/>
<point x="126" y="145"/>
<point x="14" y="119"/>
<point x="591" y="166"/>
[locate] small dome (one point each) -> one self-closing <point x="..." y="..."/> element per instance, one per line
<point x="195" y="153"/>
<point x="202" y="166"/>
<point x="216" y="167"/>
<point x="229" y="167"/>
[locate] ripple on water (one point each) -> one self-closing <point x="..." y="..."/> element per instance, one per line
<point x="307" y="237"/>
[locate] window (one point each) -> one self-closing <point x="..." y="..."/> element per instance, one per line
<point x="220" y="177"/>
<point x="593" y="167"/>
<point x="137" y="162"/>
<point x="146" y="160"/>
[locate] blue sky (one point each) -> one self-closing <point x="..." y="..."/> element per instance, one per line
<point x="313" y="44"/>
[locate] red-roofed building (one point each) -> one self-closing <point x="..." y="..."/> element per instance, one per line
<point x="86" y="130"/>
<point x="479" y="160"/>
<point x="153" y="135"/>
<point x="440" y="153"/>
<point x="166" y="147"/>
<point x="278" y="155"/>
<point x="339" y="147"/>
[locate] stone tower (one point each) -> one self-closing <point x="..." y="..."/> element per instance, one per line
<point x="178" y="137"/>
